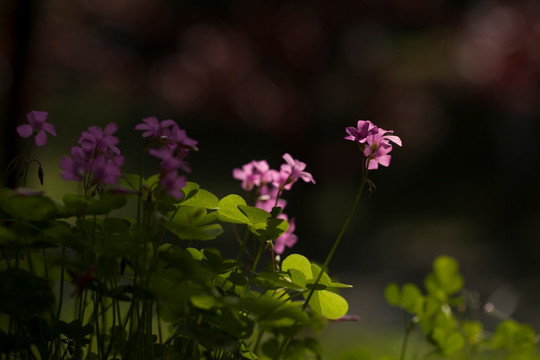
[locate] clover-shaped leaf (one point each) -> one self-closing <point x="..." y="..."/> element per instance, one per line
<point x="304" y="273"/>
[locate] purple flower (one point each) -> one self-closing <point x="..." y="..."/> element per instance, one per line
<point x="254" y="173"/>
<point x="180" y="137"/>
<point x="267" y="199"/>
<point x="173" y="146"/>
<point x="76" y="166"/>
<point x="378" y="148"/>
<point x="375" y="142"/>
<point x="152" y="127"/>
<point x="169" y="162"/>
<point x="166" y="131"/>
<point x="290" y="172"/>
<point x="96" y="140"/>
<point x="288" y="239"/>
<point x="172" y="184"/>
<point x="37" y="126"/>
<point x="97" y="156"/>
<point x="363" y="130"/>
<point x="107" y="171"/>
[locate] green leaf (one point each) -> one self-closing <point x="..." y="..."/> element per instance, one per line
<point x="392" y="294"/>
<point x="78" y="204"/>
<point x="189" y="215"/>
<point x="199" y="197"/>
<point x="190" y="189"/>
<point x="31" y="208"/>
<point x="228" y="210"/>
<point x="329" y="304"/>
<point x="8" y="238"/>
<point x="106" y="203"/>
<point x="203" y="301"/>
<point x="473" y="331"/>
<point x="411" y="298"/>
<point x="24" y="294"/>
<point x="511" y="335"/>
<point x="205" y="232"/>
<point x="255" y="215"/>
<point x="298" y="262"/>
<point x="271" y="229"/>
<point x="445" y="279"/>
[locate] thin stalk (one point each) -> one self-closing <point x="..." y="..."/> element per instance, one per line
<point x="255" y="263"/>
<point x="324" y="267"/>
<point x="243" y="247"/>
<point x="408" y="329"/>
<point x="338" y="240"/>
<point x="25" y="173"/>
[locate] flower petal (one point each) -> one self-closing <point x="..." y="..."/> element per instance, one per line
<point x="24" y="130"/>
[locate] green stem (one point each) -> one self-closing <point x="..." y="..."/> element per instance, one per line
<point x="338" y="240"/>
<point x="25" y="173"/>
<point x="408" y="329"/>
<point x="243" y="247"/>
<point x="324" y="267"/>
<point x="255" y="263"/>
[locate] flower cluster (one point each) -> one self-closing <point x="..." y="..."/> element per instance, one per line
<point x="374" y="143"/>
<point x="270" y="184"/>
<point x="171" y="145"/>
<point x="37" y="126"/>
<point x="97" y="160"/>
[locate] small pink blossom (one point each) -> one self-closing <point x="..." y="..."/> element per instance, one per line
<point x="254" y="173"/>
<point x="288" y="239"/>
<point x="375" y="143"/>
<point x="267" y="199"/>
<point x="378" y="148"/>
<point x="290" y="172"/>
<point x="37" y="126"/>
<point x="154" y="128"/>
<point x="97" y="155"/>
<point x="107" y="171"/>
<point x="363" y="130"/>
<point x="75" y="166"/>
<point x="97" y="140"/>
<point x="169" y="162"/>
<point x="172" y="184"/>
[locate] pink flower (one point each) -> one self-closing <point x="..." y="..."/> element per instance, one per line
<point x="288" y="239"/>
<point x="267" y="199"/>
<point x="166" y="131"/>
<point x="290" y="172"/>
<point x="169" y="162"/>
<point x="172" y="184"/>
<point x="75" y="166"/>
<point x="254" y="173"/>
<point x="98" y="155"/>
<point x="107" y="171"/>
<point x="152" y="127"/>
<point x="96" y="140"/>
<point x="37" y="127"/>
<point x="364" y="128"/>
<point x="375" y="143"/>
<point x="172" y="147"/>
<point x="378" y="148"/>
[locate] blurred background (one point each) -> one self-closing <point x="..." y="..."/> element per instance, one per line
<point x="457" y="80"/>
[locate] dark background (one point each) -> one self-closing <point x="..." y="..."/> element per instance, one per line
<point x="458" y="81"/>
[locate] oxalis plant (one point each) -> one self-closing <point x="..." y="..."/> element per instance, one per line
<point x="79" y="281"/>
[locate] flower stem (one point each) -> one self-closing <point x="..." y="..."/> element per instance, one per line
<point x="324" y="267"/>
<point x="338" y="240"/>
<point x="408" y="329"/>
